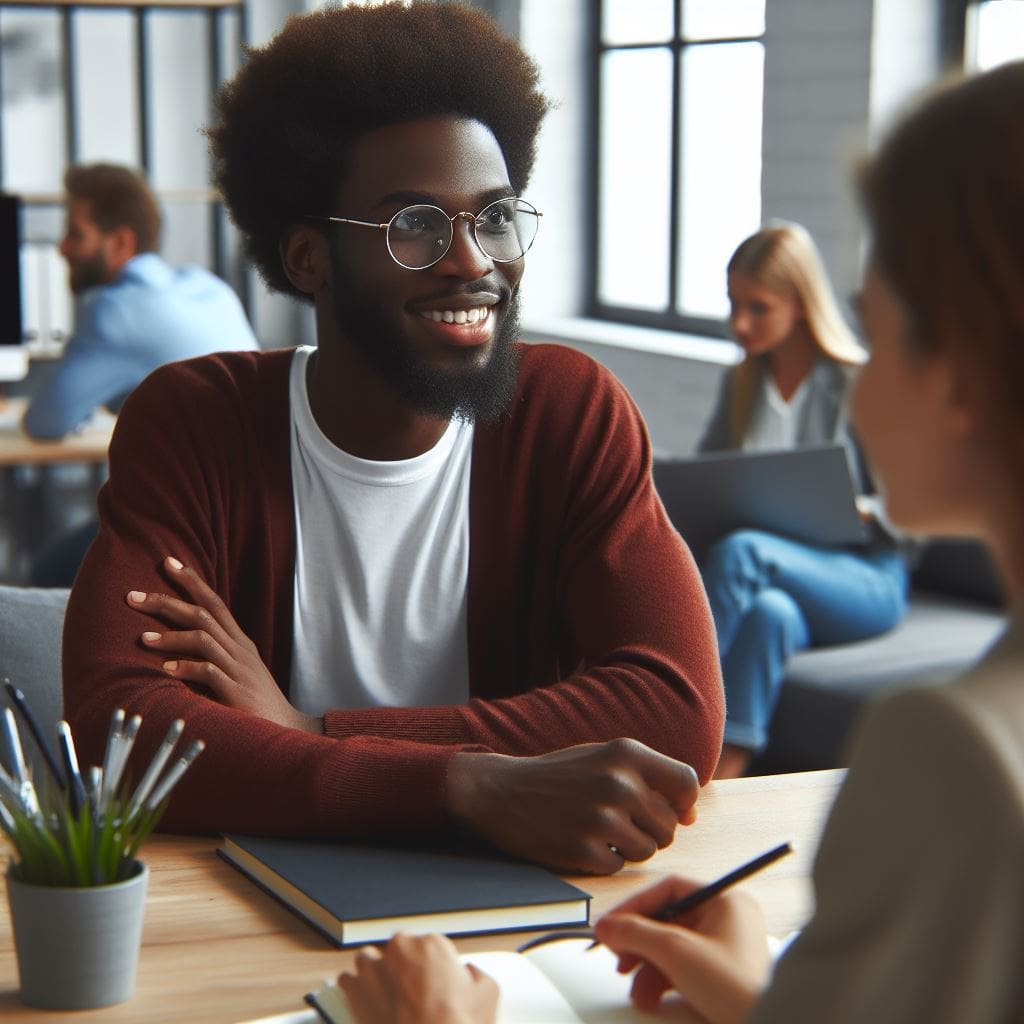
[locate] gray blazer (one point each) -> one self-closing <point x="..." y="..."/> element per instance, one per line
<point x="823" y="417"/>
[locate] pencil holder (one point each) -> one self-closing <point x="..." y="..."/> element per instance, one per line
<point x="78" y="948"/>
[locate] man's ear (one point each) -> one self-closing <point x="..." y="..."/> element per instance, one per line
<point x="305" y="257"/>
<point x="122" y="244"/>
<point x="961" y="413"/>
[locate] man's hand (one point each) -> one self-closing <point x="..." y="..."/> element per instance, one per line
<point x="208" y="648"/>
<point x="416" y="979"/>
<point x="716" y="956"/>
<point x="588" y="808"/>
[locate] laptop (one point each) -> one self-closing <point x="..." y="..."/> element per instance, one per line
<point x="807" y="494"/>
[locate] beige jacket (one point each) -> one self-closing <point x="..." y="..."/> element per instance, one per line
<point x="919" y="880"/>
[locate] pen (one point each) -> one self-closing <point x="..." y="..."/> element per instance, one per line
<point x="18" y="769"/>
<point x="119" y="759"/>
<point x="676" y="908"/>
<point x="22" y="706"/>
<point x="76" y="787"/>
<point x="155" y="766"/>
<point x="21" y="777"/>
<point x="110" y="756"/>
<point x="174" y="773"/>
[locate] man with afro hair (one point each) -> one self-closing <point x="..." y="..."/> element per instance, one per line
<point x="415" y="579"/>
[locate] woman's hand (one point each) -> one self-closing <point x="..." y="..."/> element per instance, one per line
<point x="716" y="956"/>
<point x="416" y="979"/>
<point x="207" y="647"/>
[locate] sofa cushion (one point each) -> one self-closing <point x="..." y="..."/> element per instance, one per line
<point x="31" y="623"/>
<point x="938" y="639"/>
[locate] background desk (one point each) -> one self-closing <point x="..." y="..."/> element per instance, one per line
<point x="216" y="949"/>
<point x="31" y="515"/>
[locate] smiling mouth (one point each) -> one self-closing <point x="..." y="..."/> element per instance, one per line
<point x="476" y="315"/>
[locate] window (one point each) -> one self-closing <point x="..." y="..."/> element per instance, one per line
<point x="995" y="33"/>
<point x="678" y="183"/>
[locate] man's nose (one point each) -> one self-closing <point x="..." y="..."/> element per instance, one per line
<point x="464" y="257"/>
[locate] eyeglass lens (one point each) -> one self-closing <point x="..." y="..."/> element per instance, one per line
<point x="419" y="236"/>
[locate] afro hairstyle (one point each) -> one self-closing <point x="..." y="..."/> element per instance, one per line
<point x="285" y="123"/>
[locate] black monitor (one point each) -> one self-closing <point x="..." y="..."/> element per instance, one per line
<point x="10" y="270"/>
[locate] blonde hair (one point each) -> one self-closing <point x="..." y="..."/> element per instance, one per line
<point x="784" y="258"/>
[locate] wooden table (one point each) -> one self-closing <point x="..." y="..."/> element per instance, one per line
<point x="19" y="449"/>
<point x="217" y="949"/>
<point x="26" y="464"/>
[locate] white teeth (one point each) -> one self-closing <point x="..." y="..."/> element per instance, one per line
<point x="458" y="316"/>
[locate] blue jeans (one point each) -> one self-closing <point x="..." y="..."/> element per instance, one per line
<point x="771" y="597"/>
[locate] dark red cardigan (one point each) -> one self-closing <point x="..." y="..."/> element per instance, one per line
<point x="587" y="618"/>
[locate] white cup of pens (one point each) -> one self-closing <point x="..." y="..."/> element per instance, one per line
<point x="76" y="887"/>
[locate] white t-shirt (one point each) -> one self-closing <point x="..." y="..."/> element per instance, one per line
<point x="381" y="562"/>
<point x="774" y="422"/>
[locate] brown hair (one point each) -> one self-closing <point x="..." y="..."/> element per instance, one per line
<point x="944" y="197"/>
<point x="784" y="258"/>
<point x="117" y="197"/>
<point x="286" y="122"/>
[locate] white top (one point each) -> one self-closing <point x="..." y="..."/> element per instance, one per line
<point x="774" y="423"/>
<point x="381" y="562"/>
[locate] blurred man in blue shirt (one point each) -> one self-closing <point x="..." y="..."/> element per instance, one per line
<point x="135" y="312"/>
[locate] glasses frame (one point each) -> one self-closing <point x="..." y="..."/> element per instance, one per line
<point x="474" y="219"/>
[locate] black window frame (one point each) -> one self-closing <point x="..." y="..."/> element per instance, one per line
<point x="670" y="318"/>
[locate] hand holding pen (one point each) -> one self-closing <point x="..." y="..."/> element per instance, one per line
<point x="660" y="903"/>
<point x="716" y="956"/>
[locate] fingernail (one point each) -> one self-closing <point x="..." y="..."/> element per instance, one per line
<point x="174" y="563"/>
<point x="170" y="666"/>
<point x="136" y="596"/>
<point x="150" y="637"/>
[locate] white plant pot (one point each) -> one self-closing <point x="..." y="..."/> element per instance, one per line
<point x="77" y="948"/>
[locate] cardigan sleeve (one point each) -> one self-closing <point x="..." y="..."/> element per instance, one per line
<point x="918" y="882"/>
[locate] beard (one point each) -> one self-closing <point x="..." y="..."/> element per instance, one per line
<point x="473" y="391"/>
<point x="88" y="273"/>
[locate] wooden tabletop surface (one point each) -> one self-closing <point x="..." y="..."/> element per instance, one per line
<point x="18" y="449"/>
<point x="217" y="949"/>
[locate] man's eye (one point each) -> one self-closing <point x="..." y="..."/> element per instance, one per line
<point x="496" y="220"/>
<point x="411" y="222"/>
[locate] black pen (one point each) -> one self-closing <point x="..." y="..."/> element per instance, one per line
<point x="22" y="707"/>
<point x="676" y="908"/>
<point x="76" y="788"/>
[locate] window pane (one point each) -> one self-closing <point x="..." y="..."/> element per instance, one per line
<point x="720" y="198"/>
<point x="637" y="21"/>
<point x="106" y="87"/>
<point x="179" y="99"/>
<point x="722" y="19"/>
<point x="33" y="102"/>
<point x="633" y="209"/>
<point x="1000" y="33"/>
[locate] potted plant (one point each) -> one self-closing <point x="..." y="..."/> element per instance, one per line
<point x="75" y="885"/>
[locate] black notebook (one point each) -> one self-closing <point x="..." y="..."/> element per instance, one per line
<point x="355" y="894"/>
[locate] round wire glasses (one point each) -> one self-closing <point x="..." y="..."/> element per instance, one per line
<point x="419" y="236"/>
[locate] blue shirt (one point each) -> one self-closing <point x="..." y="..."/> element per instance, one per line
<point x="150" y="314"/>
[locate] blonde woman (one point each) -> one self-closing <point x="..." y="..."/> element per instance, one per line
<point x="772" y="596"/>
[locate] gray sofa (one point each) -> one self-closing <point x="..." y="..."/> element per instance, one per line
<point x="954" y="615"/>
<point x="31" y="622"/>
